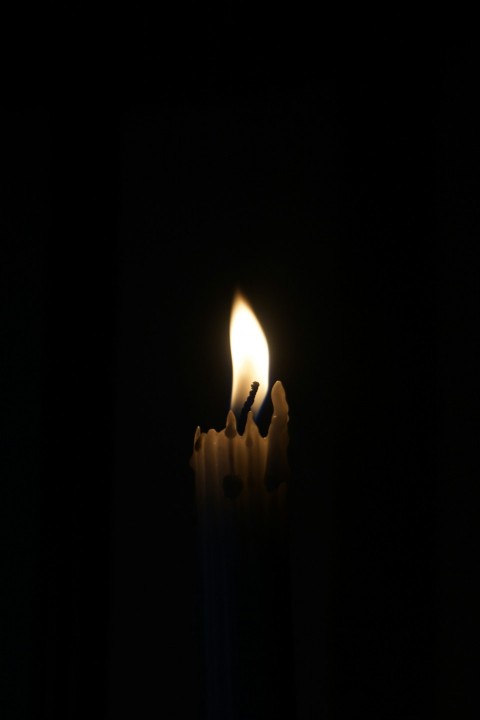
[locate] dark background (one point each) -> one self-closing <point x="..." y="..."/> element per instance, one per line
<point x="335" y="185"/>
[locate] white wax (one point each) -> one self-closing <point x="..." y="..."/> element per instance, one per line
<point x="249" y="460"/>
<point x="241" y="485"/>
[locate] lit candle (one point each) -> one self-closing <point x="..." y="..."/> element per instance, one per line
<point x="241" y="480"/>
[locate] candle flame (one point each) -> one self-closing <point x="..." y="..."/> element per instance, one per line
<point x="250" y="358"/>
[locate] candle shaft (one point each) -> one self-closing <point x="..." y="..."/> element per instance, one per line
<point x="241" y="498"/>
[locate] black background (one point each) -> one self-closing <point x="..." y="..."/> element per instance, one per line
<point x="334" y="183"/>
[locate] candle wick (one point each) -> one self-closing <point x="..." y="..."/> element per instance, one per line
<point x="247" y="406"/>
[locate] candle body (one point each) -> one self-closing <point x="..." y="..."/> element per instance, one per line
<point x="241" y="485"/>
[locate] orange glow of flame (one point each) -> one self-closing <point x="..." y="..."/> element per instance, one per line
<point x="250" y="357"/>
